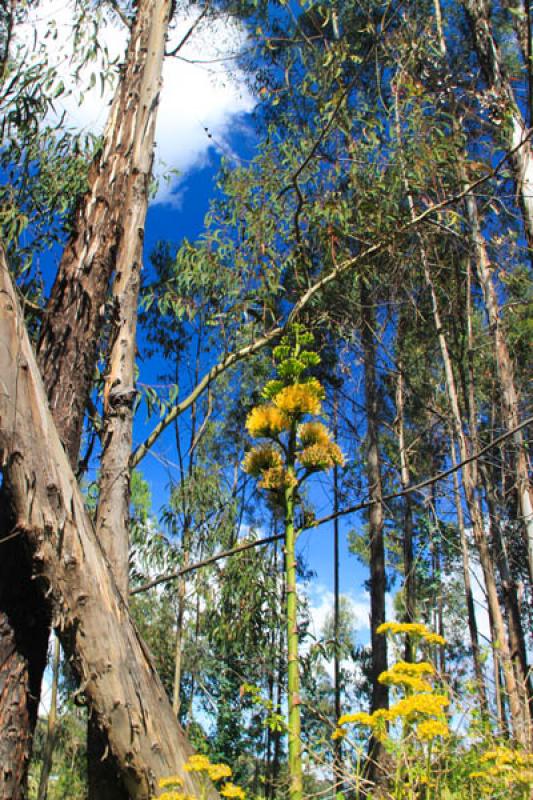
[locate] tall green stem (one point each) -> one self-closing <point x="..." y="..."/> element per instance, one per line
<point x="295" y="725"/>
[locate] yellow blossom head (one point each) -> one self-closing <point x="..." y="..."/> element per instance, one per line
<point x="299" y="399"/>
<point x="313" y="433"/>
<point x="339" y="733"/>
<point x="430" y="729"/>
<point x="218" y="771"/>
<point x="318" y="457"/>
<point x="266" y="421"/>
<point x="261" y="458"/>
<point x="231" y="790"/>
<point x="172" y="780"/>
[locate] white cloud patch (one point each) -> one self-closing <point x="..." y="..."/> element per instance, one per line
<point x="200" y="104"/>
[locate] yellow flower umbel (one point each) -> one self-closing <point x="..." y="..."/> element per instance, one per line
<point x="208" y="771"/>
<point x="416" y="723"/>
<point x="295" y="449"/>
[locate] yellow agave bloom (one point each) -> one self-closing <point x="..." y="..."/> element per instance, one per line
<point x="231" y="790"/>
<point x="435" y="638"/>
<point x="429" y="729"/>
<point x="313" y="433"/>
<point x="261" y="458"/>
<point x="218" y="771"/>
<point x="266" y="421"/>
<point x="172" y="780"/>
<point x="298" y="398"/>
<point x="277" y="478"/>
<point x="321" y="456"/>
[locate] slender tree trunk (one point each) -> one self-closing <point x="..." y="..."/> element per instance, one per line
<point x="51" y="731"/>
<point x="409" y="587"/>
<point x="469" y="596"/>
<point x="380" y="693"/>
<point x="337" y="760"/>
<point x="516" y="708"/>
<point x="293" y="667"/>
<point x="119" y="681"/>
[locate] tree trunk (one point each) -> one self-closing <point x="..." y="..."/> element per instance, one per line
<point x="69" y="567"/>
<point x="469" y="596"/>
<point x="514" y="128"/>
<point x="51" y="728"/>
<point x="409" y="586"/>
<point x="380" y="692"/>
<point x="504" y="368"/>
<point x="68" y="343"/>
<point x="516" y="708"/>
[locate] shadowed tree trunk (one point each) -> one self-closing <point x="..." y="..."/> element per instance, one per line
<point x="69" y="567"/>
<point x="380" y="692"/>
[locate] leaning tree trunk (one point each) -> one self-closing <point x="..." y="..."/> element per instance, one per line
<point x="69" y="567"/>
<point x="70" y="331"/>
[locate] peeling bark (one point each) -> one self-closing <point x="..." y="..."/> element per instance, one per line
<point x="119" y="679"/>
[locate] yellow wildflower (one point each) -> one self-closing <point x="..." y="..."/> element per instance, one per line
<point x="231" y="790"/>
<point x="339" y="733"/>
<point x="266" y="420"/>
<point x="431" y="704"/>
<point x="197" y="763"/>
<point x="429" y="729"/>
<point x="321" y="456"/>
<point x="412" y="629"/>
<point x="392" y="678"/>
<point x="360" y="717"/>
<point x="173" y="796"/>
<point x="298" y="398"/>
<point x="218" y="771"/>
<point x="261" y="458"/>
<point x="313" y="433"/>
<point x="415" y="668"/>
<point x="173" y="780"/>
<point x="434" y="638"/>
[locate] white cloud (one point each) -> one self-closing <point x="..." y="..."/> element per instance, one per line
<point x="195" y="96"/>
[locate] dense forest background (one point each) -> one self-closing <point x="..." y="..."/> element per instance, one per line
<point x="369" y="204"/>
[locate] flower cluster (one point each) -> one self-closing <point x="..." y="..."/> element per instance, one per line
<point x="504" y="767"/>
<point x="414" y="629"/>
<point x="421" y="706"/>
<point x="298" y="399"/>
<point x="208" y="771"/>
<point x="267" y="421"/>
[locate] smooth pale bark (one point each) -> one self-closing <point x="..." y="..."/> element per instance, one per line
<point x="469" y="596"/>
<point x="380" y="692"/>
<point x="513" y="125"/>
<point x="115" y="670"/>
